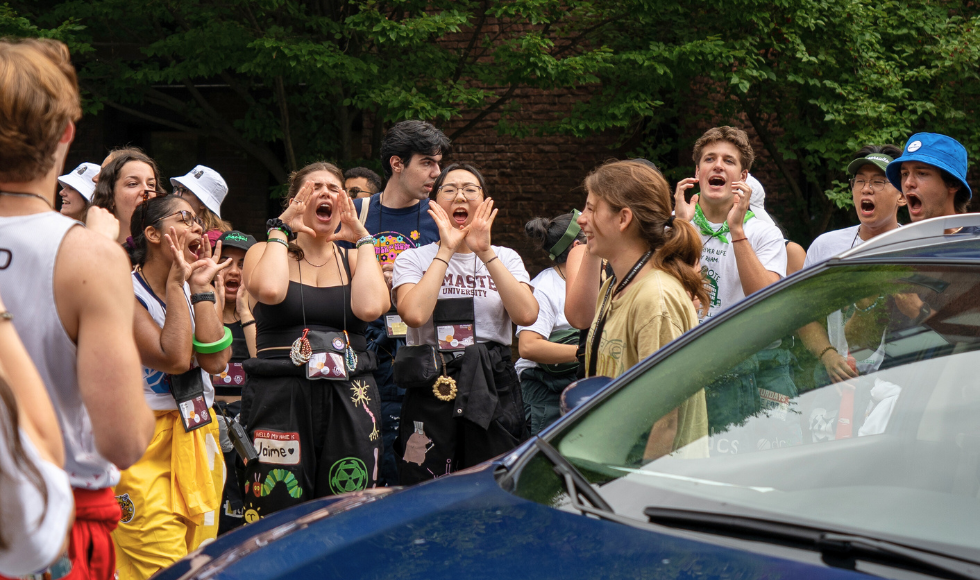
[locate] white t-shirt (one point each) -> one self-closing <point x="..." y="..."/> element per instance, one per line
<point x="34" y="533"/>
<point x="549" y="291"/>
<point x="725" y="286"/>
<point x="466" y="276"/>
<point x="156" y="384"/>
<point x="830" y="244"/>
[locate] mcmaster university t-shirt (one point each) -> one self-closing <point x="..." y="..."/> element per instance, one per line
<point x="466" y="276"/>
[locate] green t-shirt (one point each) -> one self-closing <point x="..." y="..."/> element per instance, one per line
<point x="654" y="310"/>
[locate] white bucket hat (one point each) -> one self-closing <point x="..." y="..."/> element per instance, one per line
<point x="757" y="201"/>
<point x="80" y="179"/>
<point x="207" y="184"/>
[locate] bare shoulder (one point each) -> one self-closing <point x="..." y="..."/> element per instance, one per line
<point x="84" y="251"/>
<point x="91" y="275"/>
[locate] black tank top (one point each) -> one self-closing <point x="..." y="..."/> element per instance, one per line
<point x="278" y="325"/>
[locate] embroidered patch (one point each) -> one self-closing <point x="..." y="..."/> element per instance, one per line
<point x="914" y="146"/>
<point x="281" y="475"/>
<point x="277" y="448"/>
<point x="198" y="174"/>
<point x="127" y="507"/>
<point x="360" y="397"/>
<point x="252" y="516"/>
<point x="338" y="344"/>
<point x="347" y="475"/>
<point x="418" y="445"/>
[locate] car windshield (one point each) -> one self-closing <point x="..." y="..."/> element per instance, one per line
<point x="849" y="400"/>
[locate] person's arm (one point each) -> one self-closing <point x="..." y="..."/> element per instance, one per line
<point x="245" y="316"/>
<point x="752" y="274"/>
<point x="370" y="294"/>
<point x="36" y="413"/>
<point x="517" y="297"/>
<point x="94" y="297"/>
<point x="266" y="271"/>
<point x="537" y="348"/>
<point x="816" y="340"/>
<point x="208" y="326"/>
<point x="416" y="301"/>
<point x="795" y="258"/>
<point x="582" y="275"/>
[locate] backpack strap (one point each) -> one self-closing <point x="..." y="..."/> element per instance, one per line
<point x="362" y="215"/>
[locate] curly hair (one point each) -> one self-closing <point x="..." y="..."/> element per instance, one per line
<point x="733" y="135"/>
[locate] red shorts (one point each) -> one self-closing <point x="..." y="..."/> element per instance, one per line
<point x="92" y="555"/>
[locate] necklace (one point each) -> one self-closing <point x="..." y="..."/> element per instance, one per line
<point x="312" y="264"/>
<point x="21" y="194"/>
<point x="560" y="273"/>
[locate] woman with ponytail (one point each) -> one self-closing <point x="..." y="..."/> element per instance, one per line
<point x="648" y="301"/>
<point x="548" y="347"/>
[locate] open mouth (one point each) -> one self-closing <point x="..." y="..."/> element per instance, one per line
<point x="460" y="215"/>
<point x="428" y="187"/>
<point x="195" y="248"/>
<point x="324" y="211"/>
<point x="914" y="203"/>
<point x="867" y="207"/>
<point x="716" y="181"/>
<point x="232" y="285"/>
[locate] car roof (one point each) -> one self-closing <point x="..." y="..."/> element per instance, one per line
<point x="925" y="239"/>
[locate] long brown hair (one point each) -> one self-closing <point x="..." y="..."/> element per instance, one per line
<point x="296" y="181"/>
<point x="9" y="423"/>
<point x="105" y="189"/>
<point x="676" y="244"/>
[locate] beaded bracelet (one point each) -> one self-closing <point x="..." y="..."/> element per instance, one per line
<point x="824" y="351"/>
<point x="216" y="346"/>
<point x="368" y="239"/>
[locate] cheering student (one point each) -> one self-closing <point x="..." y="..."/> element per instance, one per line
<point x="204" y="189"/>
<point x="71" y="299"/>
<point x="310" y="403"/>
<point x="931" y="173"/>
<point x="647" y="302"/>
<point x="740" y="255"/>
<point x="76" y="192"/>
<point x="460" y="297"/>
<point x="398" y="218"/>
<point x="125" y="181"/>
<point x="237" y="317"/>
<point x="548" y="347"/>
<point x="171" y="495"/>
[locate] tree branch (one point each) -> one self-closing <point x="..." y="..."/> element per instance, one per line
<point x="287" y="138"/>
<point x="484" y="113"/>
<point x="469" y="47"/>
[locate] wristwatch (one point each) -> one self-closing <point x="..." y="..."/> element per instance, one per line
<point x="202" y="297"/>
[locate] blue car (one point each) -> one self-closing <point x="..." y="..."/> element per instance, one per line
<point x="842" y="412"/>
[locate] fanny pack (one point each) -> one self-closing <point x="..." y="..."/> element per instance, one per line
<point x="570" y="336"/>
<point x="188" y="391"/>
<point x="332" y="358"/>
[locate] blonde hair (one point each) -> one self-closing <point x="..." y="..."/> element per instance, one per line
<point x="38" y="100"/>
<point x="676" y="244"/>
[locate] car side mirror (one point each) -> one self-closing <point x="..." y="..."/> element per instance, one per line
<point x="581" y="391"/>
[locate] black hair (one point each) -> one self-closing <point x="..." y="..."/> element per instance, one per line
<point x="464" y="167"/>
<point x="373" y="178"/>
<point x="149" y="213"/>
<point x="889" y="150"/>
<point x="410" y="138"/>
<point x="548" y="232"/>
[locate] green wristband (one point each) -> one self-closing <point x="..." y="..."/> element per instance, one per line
<point x="213" y="347"/>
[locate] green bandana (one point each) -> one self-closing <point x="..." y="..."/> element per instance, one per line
<point x="706" y="229"/>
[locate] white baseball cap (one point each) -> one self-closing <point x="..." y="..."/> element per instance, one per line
<point x="207" y="184"/>
<point x="80" y="179"/>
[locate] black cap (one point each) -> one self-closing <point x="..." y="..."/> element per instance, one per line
<point x="236" y="239"/>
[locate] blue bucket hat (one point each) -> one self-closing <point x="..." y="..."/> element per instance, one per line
<point x="936" y="150"/>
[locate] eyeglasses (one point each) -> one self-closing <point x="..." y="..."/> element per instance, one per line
<point x="149" y="194"/>
<point x="180" y="190"/>
<point x="470" y="192"/>
<point x="876" y="184"/>
<point x="186" y="217"/>
<point x="356" y="191"/>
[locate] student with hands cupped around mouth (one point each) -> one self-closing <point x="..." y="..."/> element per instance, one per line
<point x="460" y="298"/>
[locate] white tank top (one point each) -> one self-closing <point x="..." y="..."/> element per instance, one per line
<point x="156" y="384"/>
<point x="28" y="249"/>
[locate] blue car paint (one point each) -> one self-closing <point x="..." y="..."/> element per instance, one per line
<point x="467" y="525"/>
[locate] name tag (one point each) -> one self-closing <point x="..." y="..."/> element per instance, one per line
<point x="394" y="326"/>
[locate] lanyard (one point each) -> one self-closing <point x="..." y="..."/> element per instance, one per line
<point x="601" y="323"/>
<point x="707" y="230"/>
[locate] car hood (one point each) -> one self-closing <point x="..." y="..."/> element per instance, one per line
<point x="465" y="524"/>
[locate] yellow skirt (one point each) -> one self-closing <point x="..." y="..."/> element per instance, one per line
<point x="169" y="498"/>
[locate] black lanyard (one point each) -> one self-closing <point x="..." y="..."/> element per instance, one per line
<point x="601" y="323"/>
